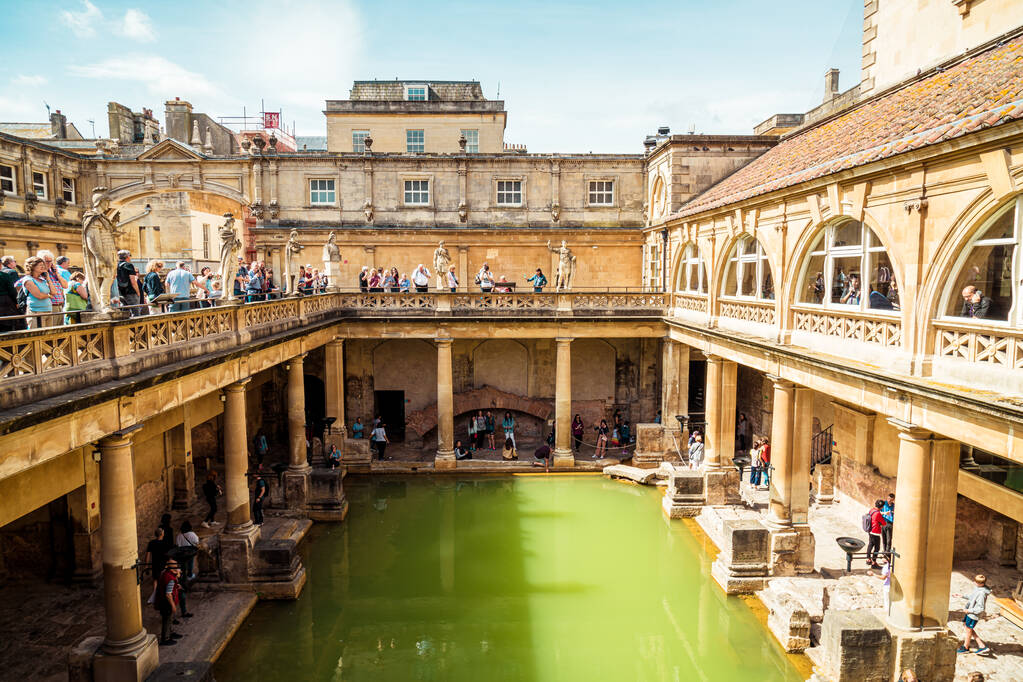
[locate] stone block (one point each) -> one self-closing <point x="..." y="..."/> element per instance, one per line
<point x="855" y="647"/>
<point x="236" y="560"/>
<point x="1002" y="540"/>
<point x="684" y="496"/>
<point x="355" y="450"/>
<point x="134" y="666"/>
<point x="296" y="489"/>
<point x="930" y="653"/>
<point x="326" y="495"/>
<point x="789" y="622"/>
<point x="722" y="486"/>
<point x="741" y="566"/>
<point x="649" y="445"/>
<point x="792" y="550"/>
<point x="824" y="483"/>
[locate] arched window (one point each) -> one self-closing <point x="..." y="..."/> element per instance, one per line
<point x="658" y="196"/>
<point x="983" y="287"/>
<point x="691" y="277"/>
<point x="748" y="272"/>
<point x="848" y="267"/>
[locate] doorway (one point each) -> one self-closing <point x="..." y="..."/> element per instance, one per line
<point x="390" y="405"/>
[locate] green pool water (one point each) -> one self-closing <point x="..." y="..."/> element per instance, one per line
<point x="512" y="578"/>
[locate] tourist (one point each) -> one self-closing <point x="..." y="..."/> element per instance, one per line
<point x="625" y="436"/>
<point x="873" y="523"/>
<point x="471" y="428"/>
<point x="56" y="282"/>
<point x="490" y="425"/>
<point x="542" y="454"/>
<point x="254" y="285"/>
<point x="182" y="603"/>
<point x="404" y="284"/>
<point x="975" y="605"/>
<point x="503" y="286"/>
<point x="696" y="451"/>
<point x="217" y="291"/>
<point x="333" y="457"/>
<point x="167" y="602"/>
<point x="485" y="279"/>
<point x="63" y="263"/>
<point x="756" y="466"/>
<point x="180" y="282"/>
<point x="893" y="294"/>
<point x="509" y="451"/>
<point x="888" y="512"/>
<point x="364" y="279"/>
<point x="156" y="557"/>
<point x="390" y="280"/>
<point x="461" y="452"/>
<point x="152" y="285"/>
<point x="211" y="490"/>
<point x="538" y="280"/>
<point x="452" y="279"/>
<point x="128" y="283"/>
<point x="396" y="278"/>
<point x="379" y="436"/>
<point x="188" y="538"/>
<point x="300" y="278"/>
<point x="357" y="428"/>
<point x="886" y="582"/>
<point x="261" y="446"/>
<point x="508" y="426"/>
<point x="817" y="288"/>
<point x="765" y="462"/>
<point x="481" y="429"/>
<point x="375" y="281"/>
<point x="602" y="435"/>
<point x="577" y="432"/>
<point x="39" y="298"/>
<point x="852" y="294"/>
<point x="259" y="494"/>
<point x="9" y="277"/>
<point x="421" y="279"/>
<point x="742" y="433"/>
<point x="241" y="279"/>
<point x="76" y="299"/>
<point x="168" y="531"/>
<point x="657" y="417"/>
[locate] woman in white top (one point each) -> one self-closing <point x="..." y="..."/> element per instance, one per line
<point x="485" y="278"/>
<point x="452" y="279"/>
<point x="421" y="279"/>
<point x="379" y="436"/>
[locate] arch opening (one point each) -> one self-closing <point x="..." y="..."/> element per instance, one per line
<point x="848" y="268"/>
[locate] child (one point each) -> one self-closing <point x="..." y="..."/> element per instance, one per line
<point x="975" y="604"/>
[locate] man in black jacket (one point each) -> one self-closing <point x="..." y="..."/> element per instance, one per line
<point x="9" y="295"/>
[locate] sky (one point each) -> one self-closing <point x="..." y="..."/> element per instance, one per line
<point x="575" y="76"/>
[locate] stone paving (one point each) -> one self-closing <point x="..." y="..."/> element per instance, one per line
<point x="861" y="589"/>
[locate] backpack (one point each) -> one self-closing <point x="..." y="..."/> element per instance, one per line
<point x="868" y="520"/>
<point x="22" y="301"/>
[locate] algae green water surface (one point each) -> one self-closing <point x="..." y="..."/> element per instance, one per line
<point x="529" y="578"/>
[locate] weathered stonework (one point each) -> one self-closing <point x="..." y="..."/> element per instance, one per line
<point x="649" y="445"/>
<point x="685" y="495"/>
<point x="855" y="647"/>
<point x="741" y="567"/>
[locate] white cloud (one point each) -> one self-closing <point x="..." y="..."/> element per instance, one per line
<point x="160" y="76"/>
<point x="137" y="25"/>
<point x="25" y="81"/>
<point x="82" y="23"/>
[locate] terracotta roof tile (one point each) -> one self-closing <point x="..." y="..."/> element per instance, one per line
<point x="979" y="92"/>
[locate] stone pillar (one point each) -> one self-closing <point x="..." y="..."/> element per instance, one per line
<point x="83" y="509"/>
<point x="722" y="479"/>
<point x="674" y="394"/>
<point x="792" y="543"/>
<point x="926" y="488"/>
<point x="445" y="408"/>
<point x="296" y="478"/>
<point x="741" y="566"/>
<point x="128" y="651"/>
<point x="563" y="456"/>
<point x="236" y="458"/>
<point x="179" y="444"/>
<point x="334" y="381"/>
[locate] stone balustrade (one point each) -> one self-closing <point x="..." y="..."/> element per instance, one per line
<point x="881" y="328"/>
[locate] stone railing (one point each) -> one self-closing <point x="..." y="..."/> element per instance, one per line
<point x="883" y="330"/>
<point x="761" y="312"/>
<point x="969" y="340"/>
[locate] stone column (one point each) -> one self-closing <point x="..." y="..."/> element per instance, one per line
<point x="296" y="478"/>
<point x="83" y="510"/>
<point x="926" y="488"/>
<point x="722" y="479"/>
<point x="128" y="651"/>
<point x="334" y="380"/>
<point x="179" y="444"/>
<point x="792" y="543"/>
<point x="236" y="458"/>
<point x="563" y="456"/>
<point x="445" y="408"/>
<point x="674" y="394"/>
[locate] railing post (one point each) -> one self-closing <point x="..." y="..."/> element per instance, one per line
<point x="443" y="302"/>
<point x="120" y="340"/>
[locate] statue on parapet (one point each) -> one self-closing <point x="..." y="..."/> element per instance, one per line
<point x="291" y="248"/>
<point x="100" y="226"/>
<point x="566" y="266"/>
<point x="331" y="252"/>
<point x="229" y="246"/>
<point x="441" y="263"/>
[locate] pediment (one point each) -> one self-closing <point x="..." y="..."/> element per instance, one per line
<point x="170" y="150"/>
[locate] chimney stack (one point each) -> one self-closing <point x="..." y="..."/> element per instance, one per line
<point x="830" y="84"/>
<point x="58" y="125"/>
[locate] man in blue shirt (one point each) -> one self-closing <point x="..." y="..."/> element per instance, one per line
<point x="62" y="269"/>
<point x="180" y="282"/>
<point x="888" y="512"/>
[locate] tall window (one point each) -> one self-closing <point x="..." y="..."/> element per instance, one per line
<point x="653" y="250"/>
<point x="472" y="141"/>
<point x="415" y="93"/>
<point x="983" y="286"/>
<point x="849" y="268"/>
<point x="205" y="240"/>
<point x="417" y="192"/>
<point x="359" y="140"/>
<point x="67" y="189"/>
<point x="7" y="181"/>
<point x="509" y="192"/>
<point x="748" y="272"/>
<point x="415" y="141"/>
<point x="691" y="275"/>
<point x="602" y="193"/>
<point x="321" y="192"/>
<point x="39" y="185"/>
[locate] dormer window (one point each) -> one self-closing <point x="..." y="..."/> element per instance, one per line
<point x="415" y="93"/>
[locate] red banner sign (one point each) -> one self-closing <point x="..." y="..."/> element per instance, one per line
<point x="272" y="119"/>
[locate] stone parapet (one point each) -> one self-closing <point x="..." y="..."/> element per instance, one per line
<point x="930" y="653"/>
<point x="741" y="566"/>
<point x="792" y="550"/>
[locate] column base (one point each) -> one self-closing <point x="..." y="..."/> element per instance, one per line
<point x="236" y="548"/>
<point x="445" y="460"/>
<point x="741" y="566"/>
<point x="930" y="653"/>
<point x="792" y="549"/>
<point x="327" y="500"/>
<point x="296" y="488"/>
<point x="684" y="497"/>
<point x="721" y="486"/>
<point x="88" y="661"/>
<point x="563" y="459"/>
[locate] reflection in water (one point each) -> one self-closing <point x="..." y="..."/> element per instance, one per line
<point x="519" y="578"/>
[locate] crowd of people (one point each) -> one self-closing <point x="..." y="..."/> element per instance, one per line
<point x="380" y="280"/>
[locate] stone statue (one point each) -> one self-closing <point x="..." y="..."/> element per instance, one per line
<point x="441" y="263"/>
<point x="566" y="266"/>
<point x="229" y="245"/>
<point x="367" y="207"/>
<point x="331" y="253"/>
<point x="292" y="247"/>
<point x="99" y="250"/>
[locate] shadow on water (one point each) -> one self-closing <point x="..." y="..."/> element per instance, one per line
<point x="518" y="578"/>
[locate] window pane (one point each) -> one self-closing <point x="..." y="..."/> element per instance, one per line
<point x="849" y="234"/>
<point x="694" y="283"/>
<point x="813" y="289"/>
<point x="1001" y="228"/>
<point x="730" y="286"/>
<point x="988" y="273"/>
<point x="846" y="284"/>
<point x="748" y="283"/>
<point x="767" y="281"/>
<point x="882" y="291"/>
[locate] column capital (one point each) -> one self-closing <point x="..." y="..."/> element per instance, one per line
<point x="908" y="431"/>
<point x="297" y="360"/>
<point x="237" y="386"/>
<point x="120" y="436"/>
<point x="336" y="341"/>
<point x="780" y="382"/>
<point x="444" y="340"/>
<point x="564" y="339"/>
